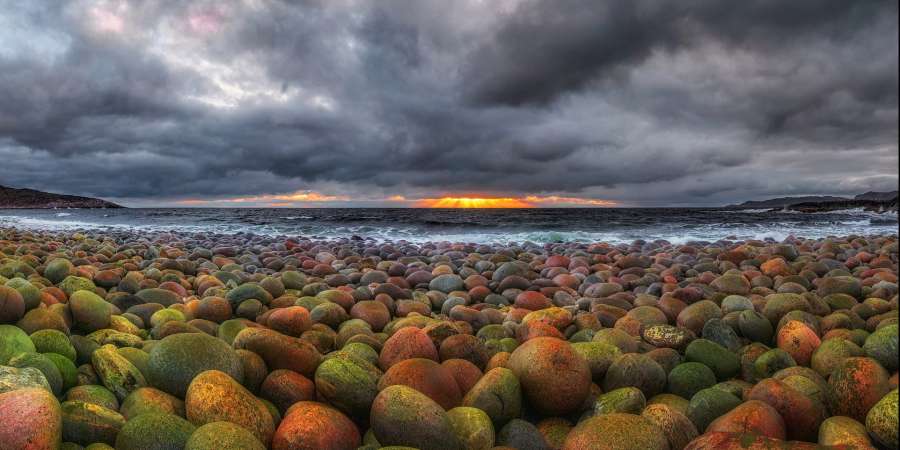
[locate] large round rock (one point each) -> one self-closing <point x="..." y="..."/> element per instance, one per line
<point x="29" y="419"/>
<point x="404" y="416"/>
<point x="616" y="432"/>
<point x="314" y="426"/>
<point x="177" y="359"/>
<point x="556" y="380"/>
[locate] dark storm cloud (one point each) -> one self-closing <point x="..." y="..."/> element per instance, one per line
<point x="643" y="102"/>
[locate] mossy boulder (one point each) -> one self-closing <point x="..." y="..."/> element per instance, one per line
<point x="472" y="427"/>
<point x="30" y="418"/>
<point x="279" y="351"/>
<point x="66" y="368"/>
<point x="599" y="356"/>
<point x="498" y="393"/>
<point x="12" y="342"/>
<point x="215" y="396"/>
<point x="177" y="359"/>
<point x="164" y="297"/>
<point x="637" y="370"/>
<point x="312" y="425"/>
<point x="855" y="386"/>
<point x="844" y="431"/>
<point x="882" y="420"/>
<point x="87" y="423"/>
<point x="58" y="269"/>
<point x="42" y="363"/>
<point x="89" y="311"/>
<point x="616" y="431"/>
<point x="31" y="295"/>
<point x="72" y="284"/>
<point x="688" y="378"/>
<point x="53" y="341"/>
<point x="554" y="378"/>
<point x="151" y="400"/>
<point x="14" y="378"/>
<point x="93" y="393"/>
<point x="248" y="291"/>
<point x="882" y="346"/>
<point x="708" y="405"/>
<point x="623" y="400"/>
<point x="348" y="383"/>
<point x="115" y="371"/>
<point x="222" y="436"/>
<point x="723" y="363"/>
<point x="155" y="431"/>
<point x="403" y="416"/>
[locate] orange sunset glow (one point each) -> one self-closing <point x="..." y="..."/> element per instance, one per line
<point x="473" y="202"/>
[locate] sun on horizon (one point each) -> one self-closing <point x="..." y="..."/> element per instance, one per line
<point x="473" y="202"/>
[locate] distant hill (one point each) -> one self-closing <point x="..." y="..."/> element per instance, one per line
<point x="870" y="201"/>
<point x="877" y="196"/>
<point x="32" y="199"/>
<point x="781" y="202"/>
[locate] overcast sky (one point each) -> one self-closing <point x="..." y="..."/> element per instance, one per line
<point x="354" y="102"/>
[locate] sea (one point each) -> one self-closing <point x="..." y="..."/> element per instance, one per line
<point x="498" y="226"/>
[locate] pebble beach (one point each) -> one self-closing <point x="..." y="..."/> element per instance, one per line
<point x="159" y="340"/>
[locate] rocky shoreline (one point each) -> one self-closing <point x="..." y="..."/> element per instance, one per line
<point x="126" y="340"/>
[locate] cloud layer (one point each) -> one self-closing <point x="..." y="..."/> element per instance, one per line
<point x="641" y="102"/>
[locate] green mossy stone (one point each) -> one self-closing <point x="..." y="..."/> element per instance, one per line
<point x="882" y="421"/>
<point x="165" y="315"/>
<point x="95" y="394"/>
<point x="155" y="431"/>
<point x="151" y="400"/>
<point x="710" y="404"/>
<point x="771" y="362"/>
<point x="87" y="423"/>
<point x="599" y="356"/>
<point x="755" y="326"/>
<point x="53" y="341"/>
<point x="58" y="269"/>
<point x="222" y="436"/>
<point x="472" y="427"/>
<point x="842" y="430"/>
<point x="84" y="348"/>
<point x="12" y="342"/>
<point x="882" y="345"/>
<point x="723" y="363"/>
<point x="137" y="357"/>
<point x="30" y="294"/>
<point x="72" y="284"/>
<point x="673" y="401"/>
<point x="616" y="431"/>
<point x="164" y="297"/>
<point x="349" y="383"/>
<point x="215" y="396"/>
<point x="66" y="368"/>
<point x="116" y="373"/>
<point x="831" y="352"/>
<point x="42" y="363"/>
<point x="42" y="319"/>
<point x="293" y="280"/>
<point x="14" y="378"/>
<point x="635" y="370"/>
<point x="623" y="400"/>
<point x="248" y="291"/>
<point x="686" y="379"/>
<point x="229" y="329"/>
<point x="497" y="393"/>
<point x="89" y="311"/>
<point x="403" y="416"/>
<point x="177" y="359"/>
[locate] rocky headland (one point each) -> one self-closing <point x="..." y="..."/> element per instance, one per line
<point x="32" y="199"/>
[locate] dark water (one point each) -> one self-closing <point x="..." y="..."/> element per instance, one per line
<point x="472" y="225"/>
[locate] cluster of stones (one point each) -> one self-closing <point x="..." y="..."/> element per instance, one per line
<point x="201" y="342"/>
